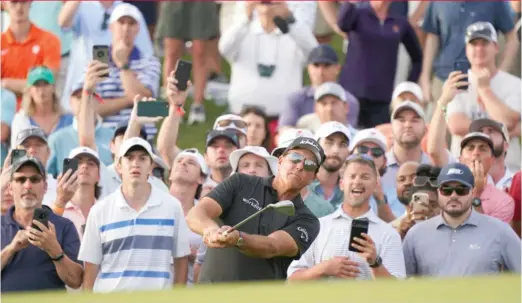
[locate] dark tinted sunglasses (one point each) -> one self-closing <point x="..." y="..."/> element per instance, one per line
<point x="309" y="165"/>
<point x="423" y="181"/>
<point x="460" y="190"/>
<point x="32" y="179"/>
<point x="376" y="152"/>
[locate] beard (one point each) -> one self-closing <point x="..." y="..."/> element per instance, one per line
<point x="455" y="213"/>
<point x="28" y="203"/>
<point x="498" y="151"/>
<point x="332" y="168"/>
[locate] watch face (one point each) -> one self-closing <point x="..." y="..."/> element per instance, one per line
<point x="476" y="202"/>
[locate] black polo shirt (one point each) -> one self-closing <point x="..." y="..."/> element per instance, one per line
<point x="241" y="196"/>
<point x="32" y="268"/>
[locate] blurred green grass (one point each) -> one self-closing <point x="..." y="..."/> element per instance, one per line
<point x="194" y="135"/>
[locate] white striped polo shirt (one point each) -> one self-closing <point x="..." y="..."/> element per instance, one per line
<point x="135" y="249"/>
<point x="148" y="73"/>
<point x="334" y="238"/>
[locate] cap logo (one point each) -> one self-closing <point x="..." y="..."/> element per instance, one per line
<point x="309" y="142"/>
<point x="455" y="171"/>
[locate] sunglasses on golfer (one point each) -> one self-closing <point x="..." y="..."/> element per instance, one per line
<point x="423" y="181"/>
<point x="448" y="190"/>
<point x="229" y="123"/>
<point x="296" y="158"/>
<point x="375" y="152"/>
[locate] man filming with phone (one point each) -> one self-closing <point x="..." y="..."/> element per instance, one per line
<point x="353" y="243"/>
<point x="130" y="72"/>
<point x="39" y="248"/>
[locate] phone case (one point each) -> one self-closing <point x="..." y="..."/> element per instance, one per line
<point x="70" y="164"/>
<point x="153" y="109"/>
<point x="359" y="227"/>
<point x="101" y="53"/>
<point x="41" y="216"/>
<point x="17" y="154"/>
<point x="182" y="74"/>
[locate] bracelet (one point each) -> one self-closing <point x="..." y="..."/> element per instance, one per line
<point x="95" y="95"/>
<point x="58" y="210"/>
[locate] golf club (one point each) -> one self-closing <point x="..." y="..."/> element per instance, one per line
<point x="285" y="207"/>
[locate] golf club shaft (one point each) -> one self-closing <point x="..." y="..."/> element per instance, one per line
<point x="244" y="221"/>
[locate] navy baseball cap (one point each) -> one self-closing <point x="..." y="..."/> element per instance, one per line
<point x="229" y="134"/>
<point x="456" y="172"/>
<point x="122" y="127"/>
<point x="323" y="53"/>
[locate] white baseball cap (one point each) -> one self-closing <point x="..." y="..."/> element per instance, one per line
<point x="408" y="105"/>
<point x="125" y="10"/>
<point x="332" y="127"/>
<point x="236" y="155"/>
<point x="194" y="153"/>
<point x="132" y="142"/>
<point x="368" y="135"/>
<point x="330" y="89"/>
<point x="287" y="137"/>
<point x="408" y="87"/>
<point x="233" y="119"/>
<point x="85" y="151"/>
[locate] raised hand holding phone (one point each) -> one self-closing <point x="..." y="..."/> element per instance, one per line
<point x="148" y="110"/>
<point x="177" y="88"/>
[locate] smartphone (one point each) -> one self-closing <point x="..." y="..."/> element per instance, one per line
<point x="153" y="108"/>
<point x="101" y="53"/>
<point x="182" y="74"/>
<point x="71" y="164"/>
<point x="421" y="202"/>
<point x="462" y="66"/>
<point x="41" y="215"/>
<point x="17" y="154"/>
<point x="359" y="227"/>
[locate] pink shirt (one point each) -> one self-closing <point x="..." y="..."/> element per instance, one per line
<point x="497" y="203"/>
<point x="74" y="213"/>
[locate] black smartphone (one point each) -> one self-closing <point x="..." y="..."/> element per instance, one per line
<point x="359" y="227"/>
<point x="71" y="164"/>
<point x="101" y="53"/>
<point x="153" y="109"/>
<point x="17" y="154"/>
<point x="41" y="215"/>
<point x="462" y="66"/>
<point x="281" y="23"/>
<point x="182" y="74"/>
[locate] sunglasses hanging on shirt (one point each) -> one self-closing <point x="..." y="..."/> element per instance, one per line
<point x="105" y="22"/>
<point x="266" y="70"/>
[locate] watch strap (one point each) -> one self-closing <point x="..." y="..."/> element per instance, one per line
<point x="126" y="66"/>
<point x="58" y="258"/>
<point x="376" y="263"/>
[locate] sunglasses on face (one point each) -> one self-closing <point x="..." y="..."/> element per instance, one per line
<point x="309" y="165"/>
<point x="460" y="190"/>
<point x="423" y="181"/>
<point x="105" y="22"/>
<point x="32" y="179"/>
<point x="376" y="152"/>
<point x="236" y="123"/>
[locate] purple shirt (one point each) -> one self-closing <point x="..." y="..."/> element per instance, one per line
<point x="302" y="103"/>
<point x="371" y="59"/>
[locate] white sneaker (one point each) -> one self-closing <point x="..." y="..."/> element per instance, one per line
<point x="196" y="114"/>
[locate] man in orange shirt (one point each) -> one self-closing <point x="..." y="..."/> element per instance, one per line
<point x="24" y="46"/>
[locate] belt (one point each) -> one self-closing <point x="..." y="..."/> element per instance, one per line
<point x="66" y="54"/>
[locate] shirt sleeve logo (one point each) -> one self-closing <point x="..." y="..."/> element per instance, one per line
<point x="304" y="233"/>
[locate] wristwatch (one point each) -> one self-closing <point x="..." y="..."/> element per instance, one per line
<point x="383" y="201"/>
<point x="126" y="66"/>
<point x="239" y="241"/>
<point x="57" y="259"/>
<point x="376" y="263"/>
<point x="476" y="202"/>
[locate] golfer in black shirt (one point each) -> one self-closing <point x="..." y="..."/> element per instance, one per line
<point x="263" y="248"/>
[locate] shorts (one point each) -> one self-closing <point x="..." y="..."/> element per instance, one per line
<point x="188" y="20"/>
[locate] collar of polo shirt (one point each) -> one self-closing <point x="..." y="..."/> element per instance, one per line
<point x="473" y="219"/>
<point x="152" y="201"/>
<point x="370" y="215"/>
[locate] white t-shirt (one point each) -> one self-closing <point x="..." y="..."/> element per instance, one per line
<point x="507" y="88"/>
<point x="50" y="194"/>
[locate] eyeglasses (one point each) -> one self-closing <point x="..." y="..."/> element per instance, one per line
<point x="228" y="123"/>
<point x="309" y="165"/>
<point x="105" y="22"/>
<point x="376" y="152"/>
<point x="460" y="190"/>
<point x="423" y="181"/>
<point x="32" y="179"/>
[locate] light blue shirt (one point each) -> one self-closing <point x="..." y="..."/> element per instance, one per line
<point x="66" y="139"/>
<point x="45" y="15"/>
<point x="87" y="31"/>
<point x="7" y="112"/>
